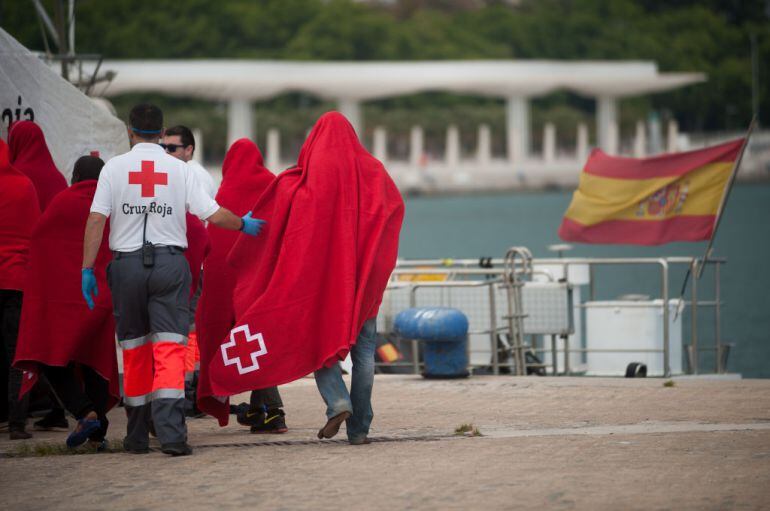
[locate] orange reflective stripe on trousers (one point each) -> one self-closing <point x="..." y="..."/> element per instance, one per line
<point x="192" y="354"/>
<point x="137" y="371"/>
<point x="154" y="369"/>
<point x="169" y="365"/>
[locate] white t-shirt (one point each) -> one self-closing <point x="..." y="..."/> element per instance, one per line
<point x="147" y="181"/>
<point x="204" y="178"/>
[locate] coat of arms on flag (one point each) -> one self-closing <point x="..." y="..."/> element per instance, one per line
<point x="649" y="201"/>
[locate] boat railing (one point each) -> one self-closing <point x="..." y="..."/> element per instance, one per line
<point x="478" y="288"/>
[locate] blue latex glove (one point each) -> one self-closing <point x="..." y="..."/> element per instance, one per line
<point x="251" y="226"/>
<point x="88" y="286"/>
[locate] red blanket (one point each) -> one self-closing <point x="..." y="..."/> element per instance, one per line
<point x="197" y="247"/>
<point x="317" y="272"/>
<point x="244" y="178"/>
<point x="56" y="326"/>
<point x="19" y="211"/>
<point x="30" y="155"/>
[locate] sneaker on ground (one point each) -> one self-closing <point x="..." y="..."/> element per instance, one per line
<point x="18" y="434"/>
<point x="177" y="449"/>
<point x="84" y="429"/>
<point x="273" y="421"/>
<point x="249" y="417"/>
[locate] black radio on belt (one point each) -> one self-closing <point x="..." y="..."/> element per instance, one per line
<point x="148" y="249"/>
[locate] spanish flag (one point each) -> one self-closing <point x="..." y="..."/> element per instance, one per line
<point x="649" y="201"/>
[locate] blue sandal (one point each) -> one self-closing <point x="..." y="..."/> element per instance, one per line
<point x="84" y="429"/>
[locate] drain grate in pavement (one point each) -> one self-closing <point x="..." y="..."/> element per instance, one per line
<point x="377" y="439"/>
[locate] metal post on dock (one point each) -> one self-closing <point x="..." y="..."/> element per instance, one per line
<point x="415" y="345"/>
<point x="694" y="354"/>
<point x="664" y="291"/>
<point x="493" y="330"/>
<point x="554" y="355"/>
<point x="717" y="319"/>
<point x="565" y="338"/>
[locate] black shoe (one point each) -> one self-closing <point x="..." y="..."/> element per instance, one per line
<point x="249" y="417"/>
<point x="239" y="408"/>
<point x="272" y="422"/>
<point x="133" y="449"/>
<point x="18" y="434"/>
<point x="54" y="419"/>
<point x="179" y="449"/>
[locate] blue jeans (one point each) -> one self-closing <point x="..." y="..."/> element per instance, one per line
<point x="359" y="400"/>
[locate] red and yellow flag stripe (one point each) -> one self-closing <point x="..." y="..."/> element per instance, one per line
<point x="649" y="201"/>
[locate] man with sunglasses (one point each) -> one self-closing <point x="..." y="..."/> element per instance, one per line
<point x="179" y="142"/>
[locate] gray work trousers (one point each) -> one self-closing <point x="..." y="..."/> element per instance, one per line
<point x="151" y="306"/>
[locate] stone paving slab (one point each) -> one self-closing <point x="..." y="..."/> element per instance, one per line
<point x="551" y="443"/>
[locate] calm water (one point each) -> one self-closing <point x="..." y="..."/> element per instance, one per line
<point x="486" y="225"/>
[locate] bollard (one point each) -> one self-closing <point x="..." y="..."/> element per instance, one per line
<point x="444" y="333"/>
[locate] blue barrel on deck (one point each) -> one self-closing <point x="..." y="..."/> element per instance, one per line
<point x="444" y="333"/>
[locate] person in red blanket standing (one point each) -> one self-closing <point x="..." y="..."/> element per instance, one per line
<point x="310" y="287"/>
<point x="19" y="210"/>
<point x="145" y="193"/>
<point x="244" y="178"/>
<point x="30" y="155"/>
<point x="58" y="336"/>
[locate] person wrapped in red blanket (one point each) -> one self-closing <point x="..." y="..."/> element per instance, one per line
<point x="73" y="347"/>
<point x="30" y="155"/>
<point x="310" y="286"/>
<point x="19" y="211"/>
<point x="244" y="178"/>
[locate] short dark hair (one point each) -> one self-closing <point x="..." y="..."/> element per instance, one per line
<point x="87" y="167"/>
<point x="146" y="121"/>
<point x="184" y="133"/>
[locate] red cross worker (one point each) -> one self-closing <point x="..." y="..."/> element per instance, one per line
<point x="146" y="194"/>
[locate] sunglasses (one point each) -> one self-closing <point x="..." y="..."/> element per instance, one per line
<point x="171" y="148"/>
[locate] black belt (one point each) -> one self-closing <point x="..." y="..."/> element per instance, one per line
<point x="159" y="249"/>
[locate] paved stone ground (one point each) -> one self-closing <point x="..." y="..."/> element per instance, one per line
<point x="549" y="443"/>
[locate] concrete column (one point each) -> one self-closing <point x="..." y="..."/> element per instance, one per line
<point x="654" y="133"/>
<point x="484" y="146"/>
<point x="607" y="123"/>
<point x="198" y="136"/>
<point x="517" y="126"/>
<point x="673" y="136"/>
<point x="416" y="146"/>
<point x="452" y="150"/>
<point x="380" y="143"/>
<point x="351" y="108"/>
<point x="273" y="150"/>
<point x="640" y="141"/>
<point x="549" y="142"/>
<point x="240" y="121"/>
<point x="581" y="152"/>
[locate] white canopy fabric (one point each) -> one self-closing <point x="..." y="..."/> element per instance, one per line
<point x="72" y="123"/>
<point x="255" y="80"/>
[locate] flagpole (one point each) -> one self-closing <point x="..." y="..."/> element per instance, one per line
<point x="725" y="196"/>
<point x="709" y="248"/>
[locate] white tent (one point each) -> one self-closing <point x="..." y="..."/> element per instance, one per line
<point x="72" y="123"/>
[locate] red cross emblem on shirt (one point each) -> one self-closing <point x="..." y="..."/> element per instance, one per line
<point x="244" y="353"/>
<point x="148" y="178"/>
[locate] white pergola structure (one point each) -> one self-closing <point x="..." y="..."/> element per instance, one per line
<point x="241" y="82"/>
